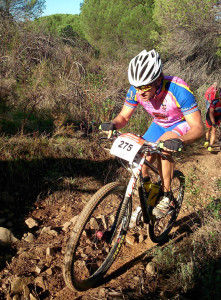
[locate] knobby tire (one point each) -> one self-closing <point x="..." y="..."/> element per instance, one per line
<point x="160" y="228"/>
<point x="97" y="237"/>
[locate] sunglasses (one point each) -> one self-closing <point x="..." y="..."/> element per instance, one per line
<point x="145" y="88"/>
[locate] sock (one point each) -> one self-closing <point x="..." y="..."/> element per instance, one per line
<point x="167" y="194"/>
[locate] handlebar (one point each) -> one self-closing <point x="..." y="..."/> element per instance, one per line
<point x="151" y="147"/>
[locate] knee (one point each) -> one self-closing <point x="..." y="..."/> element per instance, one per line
<point x="168" y="157"/>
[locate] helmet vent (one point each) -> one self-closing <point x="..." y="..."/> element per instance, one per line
<point x="142" y="72"/>
<point x="156" y="75"/>
<point x="132" y="72"/>
<point x="136" y="71"/>
<point x="149" y="73"/>
<point x="146" y="57"/>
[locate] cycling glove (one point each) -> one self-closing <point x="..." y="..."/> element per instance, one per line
<point x="173" y="144"/>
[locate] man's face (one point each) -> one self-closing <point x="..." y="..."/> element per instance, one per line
<point x="148" y="92"/>
<point x="147" y="95"/>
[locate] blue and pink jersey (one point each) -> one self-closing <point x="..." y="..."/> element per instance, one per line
<point x="172" y="102"/>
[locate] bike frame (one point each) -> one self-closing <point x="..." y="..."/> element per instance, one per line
<point x="136" y="172"/>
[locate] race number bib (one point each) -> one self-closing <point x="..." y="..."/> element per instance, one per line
<point x="126" y="146"/>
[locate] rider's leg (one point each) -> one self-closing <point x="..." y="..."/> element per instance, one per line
<point x="212" y="136"/>
<point x="151" y="159"/>
<point x="209" y="126"/>
<point x="151" y="135"/>
<point x="166" y="166"/>
<point x="208" y="134"/>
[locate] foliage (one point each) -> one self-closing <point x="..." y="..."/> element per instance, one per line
<point x="22" y="9"/>
<point x="193" y="15"/>
<point x="193" y="263"/>
<point x="218" y="53"/>
<point x="38" y="73"/>
<point x="112" y="26"/>
<point x="65" y="25"/>
<point x="184" y="21"/>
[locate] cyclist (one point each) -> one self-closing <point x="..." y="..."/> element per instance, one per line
<point x="210" y="94"/>
<point x="213" y="119"/>
<point x="176" y="117"/>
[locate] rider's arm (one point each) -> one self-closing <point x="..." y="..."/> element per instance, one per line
<point x="124" y="116"/>
<point x="196" y="127"/>
<point x="211" y="115"/>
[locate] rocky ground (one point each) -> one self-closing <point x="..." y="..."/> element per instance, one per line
<point x="31" y="266"/>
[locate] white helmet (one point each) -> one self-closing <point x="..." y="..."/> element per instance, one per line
<point x="144" y="68"/>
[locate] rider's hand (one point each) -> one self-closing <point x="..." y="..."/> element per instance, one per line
<point x="107" y="126"/>
<point x="214" y="125"/>
<point x="173" y="144"/>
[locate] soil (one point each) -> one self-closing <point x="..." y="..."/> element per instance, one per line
<point x="38" y="263"/>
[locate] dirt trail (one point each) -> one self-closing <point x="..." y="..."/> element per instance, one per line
<point x="35" y="266"/>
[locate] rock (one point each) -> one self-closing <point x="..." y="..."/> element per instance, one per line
<point x="32" y="297"/>
<point x="53" y="232"/>
<point x="140" y="238"/>
<point x="49" y="251"/>
<point x="74" y="220"/>
<point x="102" y="293"/>
<point x="49" y="271"/>
<point x="151" y="268"/>
<point x="130" y="239"/>
<point x="25" y="255"/>
<point x="50" y="231"/>
<point x="41" y="282"/>
<point x="46" y="229"/>
<point x="40" y="268"/>
<point x="17" y="283"/>
<point x="31" y="223"/>
<point x="115" y="294"/>
<point x="26" y="291"/>
<point x="30" y="238"/>
<point x="93" y="224"/>
<point x="66" y="226"/>
<point x="6" y="237"/>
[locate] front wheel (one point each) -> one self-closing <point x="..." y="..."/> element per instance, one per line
<point x="97" y="237"/>
<point x="159" y="228"/>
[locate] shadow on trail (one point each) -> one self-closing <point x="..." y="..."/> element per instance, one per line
<point x="23" y="181"/>
<point x="186" y="226"/>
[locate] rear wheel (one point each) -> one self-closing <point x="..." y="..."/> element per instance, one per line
<point x="159" y="228"/>
<point x="97" y="237"/>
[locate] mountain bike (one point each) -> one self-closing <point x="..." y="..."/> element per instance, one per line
<point x="102" y="225"/>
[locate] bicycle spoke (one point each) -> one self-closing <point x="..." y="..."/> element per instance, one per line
<point x="160" y="227"/>
<point x="96" y="238"/>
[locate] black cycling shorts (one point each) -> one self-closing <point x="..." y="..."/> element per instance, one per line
<point x="208" y="121"/>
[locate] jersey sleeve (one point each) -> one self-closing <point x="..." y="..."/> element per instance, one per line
<point x="131" y="98"/>
<point x="184" y="98"/>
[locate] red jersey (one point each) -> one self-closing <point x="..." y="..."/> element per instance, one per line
<point x="210" y="93"/>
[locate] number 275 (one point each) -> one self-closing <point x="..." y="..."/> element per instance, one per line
<point x="125" y="145"/>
